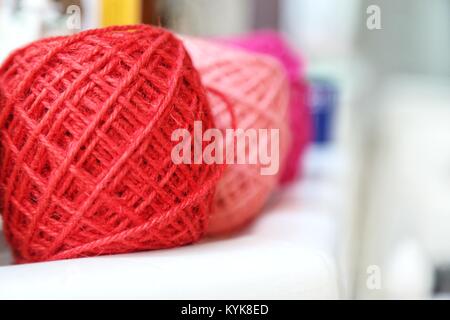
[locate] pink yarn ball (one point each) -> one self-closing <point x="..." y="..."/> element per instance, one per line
<point x="275" y="45"/>
<point x="256" y="89"/>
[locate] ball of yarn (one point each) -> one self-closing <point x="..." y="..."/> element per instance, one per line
<point x="275" y="45"/>
<point x="86" y="136"/>
<point x="256" y="88"/>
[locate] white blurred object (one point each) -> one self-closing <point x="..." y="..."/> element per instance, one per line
<point x="90" y="14"/>
<point x="11" y="23"/>
<point x="321" y="27"/>
<point x="208" y="18"/>
<point x="32" y="20"/>
<point x="409" y="272"/>
<point x="415" y="37"/>
<point x="408" y="178"/>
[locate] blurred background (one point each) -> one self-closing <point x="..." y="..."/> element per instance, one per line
<point x="379" y="73"/>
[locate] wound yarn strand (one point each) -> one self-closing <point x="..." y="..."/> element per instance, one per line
<point x="86" y="123"/>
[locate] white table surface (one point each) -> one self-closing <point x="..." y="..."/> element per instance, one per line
<point x="287" y="254"/>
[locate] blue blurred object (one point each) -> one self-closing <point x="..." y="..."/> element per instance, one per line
<point x="324" y="100"/>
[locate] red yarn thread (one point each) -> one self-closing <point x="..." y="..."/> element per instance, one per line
<point x="86" y="131"/>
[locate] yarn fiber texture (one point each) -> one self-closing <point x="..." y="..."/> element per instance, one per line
<point x="256" y="87"/>
<point x="86" y="128"/>
<point x="274" y="44"/>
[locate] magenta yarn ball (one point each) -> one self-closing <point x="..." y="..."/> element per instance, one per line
<point x="274" y="44"/>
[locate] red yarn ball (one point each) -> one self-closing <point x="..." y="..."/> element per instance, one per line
<point x="86" y="135"/>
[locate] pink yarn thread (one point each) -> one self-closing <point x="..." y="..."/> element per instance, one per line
<point x="257" y="89"/>
<point x="274" y="44"/>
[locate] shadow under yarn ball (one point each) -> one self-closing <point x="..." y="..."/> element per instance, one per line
<point x="256" y="88"/>
<point x="86" y="135"/>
